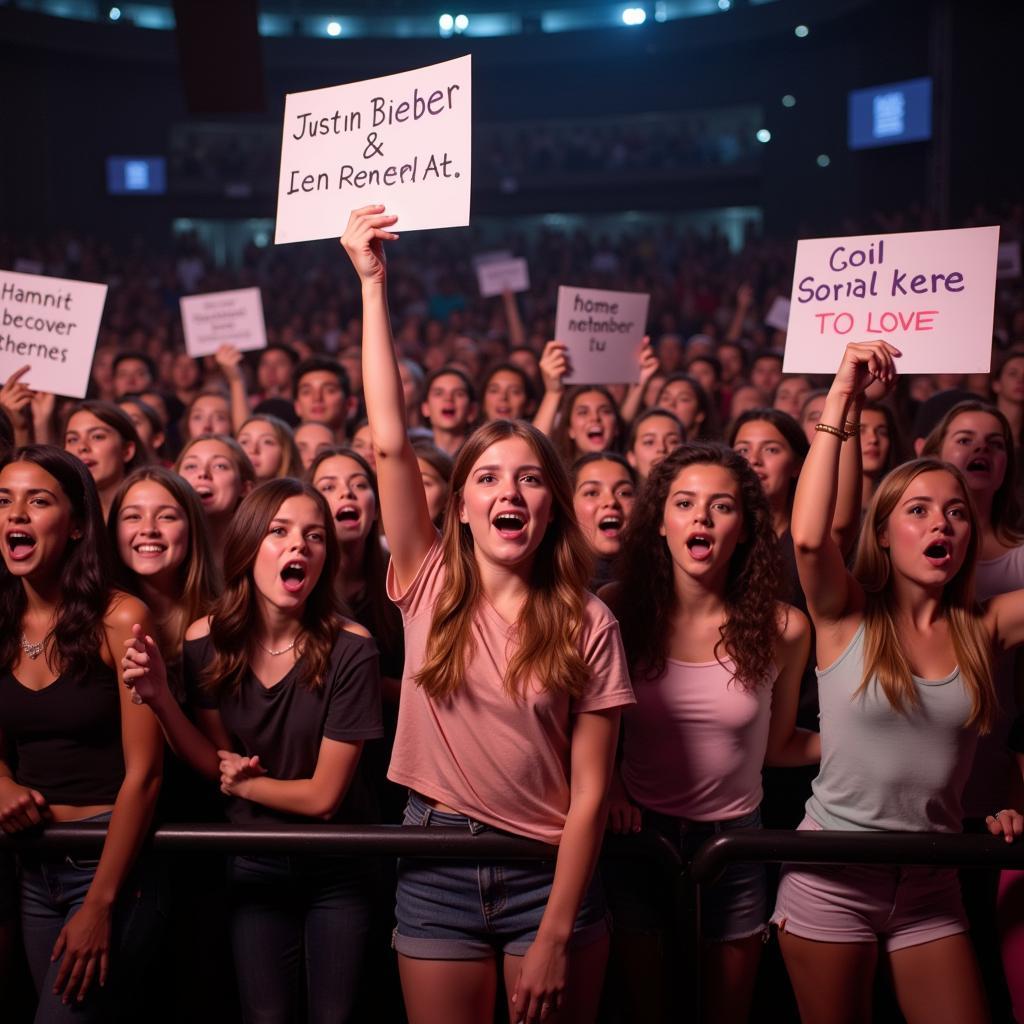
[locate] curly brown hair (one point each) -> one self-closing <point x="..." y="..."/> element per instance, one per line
<point x="645" y="597"/>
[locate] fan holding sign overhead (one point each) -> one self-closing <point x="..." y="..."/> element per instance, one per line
<point x="402" y="140"/>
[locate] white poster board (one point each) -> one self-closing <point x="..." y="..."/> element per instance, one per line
<point x="929" y="293"/>
<point x="604" y="332"/>
<point x="223" y="318"/>
<point x="498" y="276"/>
<point x="402" y="140"/>
<point x="49" y="324"/>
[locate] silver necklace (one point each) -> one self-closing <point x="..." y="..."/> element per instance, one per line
<point x="273" y="654"/>
<point x="34" y="650"/>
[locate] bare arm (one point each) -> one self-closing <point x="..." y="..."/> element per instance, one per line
<point x="229" y="360"/>
<point x="403" y="503"/>
<point x="84" y="941"/>
<point x="543" y="971"/>
<point x="789" y="746"/>
<point x="554" y="365"/>
<point x="649" y="366"/>
<point x="316" y="797"/>
<point x="847" y="516"/>
<point x="831" y="592"/>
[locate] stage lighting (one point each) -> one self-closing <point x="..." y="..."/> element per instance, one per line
<point x="824" y="160"/>
<point x="446" y="23"/>
<point x="801" y="31"/>
<point x="333" y="29"/>
<point x="724" y="5"/>
<point x="114" y="14"/>
<point x="763" y="135"/>
<point x="788" y="100"/>
<point x="461" y="22"/>
<point x="634" y="16"/>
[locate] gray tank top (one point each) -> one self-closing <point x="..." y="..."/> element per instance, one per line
<point x="886" y="770"/>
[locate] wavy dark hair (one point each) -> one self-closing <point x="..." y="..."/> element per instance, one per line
<point x="645" y="597"/>
<point x="85" y="583"/>
<point x="529" y="390"/>
<point x="378" y="612"/>
<point x="234" y="614"/>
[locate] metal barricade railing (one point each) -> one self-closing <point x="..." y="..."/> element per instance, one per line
<point x="683" y="880"/>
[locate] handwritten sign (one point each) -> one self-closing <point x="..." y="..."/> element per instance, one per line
<point x="497" y="276"/>
<point x="403" y="141"/>
<point x="49" y="324"/>
<point x="604" y="332"/>
<point x="223" y="318"/>
<point x="929" y="293"/>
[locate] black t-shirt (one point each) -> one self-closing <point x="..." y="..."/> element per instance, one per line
<point x="285" y="723"/>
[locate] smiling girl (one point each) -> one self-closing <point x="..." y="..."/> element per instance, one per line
<point x="510" y="702"/>
<point x="73" y="745"/>
<point x="285" y="697"/>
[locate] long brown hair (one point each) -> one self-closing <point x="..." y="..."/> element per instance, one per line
<point x="645" y="598"/>
<point x="1006" y="514"/>
<point x="564" y="444"/>
<point x="234" y="614"/>
<point x="550" y="627"/>
<point x="198" y="583"/>
<point x="291" y="460"/>
<point x="884" y="659"/>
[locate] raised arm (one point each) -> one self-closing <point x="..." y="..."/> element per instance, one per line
<point x="554" y="365"/>
<point x="403" y="504"/>
<point x="649" y="366"/>
<point x="831" y="592"/>
<point x="847" y="517"/>
<point x="229" y="360"/>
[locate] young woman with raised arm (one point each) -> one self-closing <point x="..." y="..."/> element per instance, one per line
<point x="284" y="696"/>
<point x="904" y="654"/>
<point x="514" y="680"/>
<point x="74" y="747"/>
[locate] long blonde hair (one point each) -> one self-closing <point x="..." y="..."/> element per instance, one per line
<point x="550" y="626"/>
<point x="884" y="659"/>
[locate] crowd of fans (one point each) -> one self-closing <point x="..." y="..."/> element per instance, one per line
<point x="350" y="577"/>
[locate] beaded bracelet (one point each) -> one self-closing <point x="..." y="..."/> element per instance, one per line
<point x="852" y="428"/>
<point x="826" y="428"/>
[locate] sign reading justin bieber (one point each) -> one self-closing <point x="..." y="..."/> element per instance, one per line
<point x="929" y="293"/>
<point x="402" y="140"/>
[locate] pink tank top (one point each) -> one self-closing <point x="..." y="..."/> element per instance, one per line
<point x="695" y="741"/>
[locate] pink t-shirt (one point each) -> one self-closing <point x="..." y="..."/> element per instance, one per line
<point x="695" y="741"/>
<point x="502" y="761"/>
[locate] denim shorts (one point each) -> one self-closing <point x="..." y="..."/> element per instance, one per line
<point x="734" y="907"/>
<point x="467" y="910"/>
